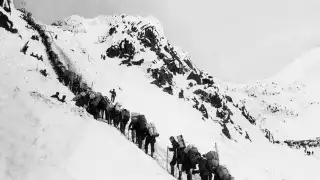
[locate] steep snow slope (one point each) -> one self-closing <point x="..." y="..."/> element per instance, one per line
<point x="73" y="147"/>
<point x="42" y="138"/>
<point x="174" y="116"/>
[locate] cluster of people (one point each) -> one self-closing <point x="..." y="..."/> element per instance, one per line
<point x="312" y="143"/>
<point x="308" y="152"/>
<point x="114" y="114"/>
<point x="141" y="131"/>
<point x="40" y="58"/>
<point x="187" y="158"/>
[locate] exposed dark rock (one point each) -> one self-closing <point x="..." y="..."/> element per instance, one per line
<point x="137" y="63"/>
<point x="215" y="100"/>
<point x="195" y="77"/>
<point x="225" y="131"/>
<point x="247" y="136"/>
<point x="207" y="81"/>
<point x="148" y="38"/>
<point x="246" y="114"/>
<point x="168" y="90"/>
<point x="228" y="98"/>
<point x="113" y="51"/>
<point x="204" y="111"/>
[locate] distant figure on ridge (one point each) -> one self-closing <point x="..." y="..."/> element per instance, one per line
<point x="113" y="95"/>
<point x="56" y="95"/>
<point x="63" y="99"/>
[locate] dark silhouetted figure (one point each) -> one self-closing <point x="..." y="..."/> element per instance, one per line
<point x="124" y="120"/>
<point x="204" y="170"/>
<point x="56" y="95"/>
<point x="63" y="99"/>
<point x="113" y="95"/>
<point x="178" y="156"/>
<point x="149" y="140"/>
<point x="181" y="94"/>
<point x="151" y="135"/>
<point x="44" y="72"/>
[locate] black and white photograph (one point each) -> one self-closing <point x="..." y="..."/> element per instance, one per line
<point x="159" y="90"/>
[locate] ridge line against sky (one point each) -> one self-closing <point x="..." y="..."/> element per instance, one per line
<point x="232" y="40"/>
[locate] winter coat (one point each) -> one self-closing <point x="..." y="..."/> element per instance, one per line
<point x="150" y="138"/>
<point x="178" y="153"/>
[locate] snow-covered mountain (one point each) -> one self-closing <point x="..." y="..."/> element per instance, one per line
<point x="45" y="139"/>
<point x="288" y="103"/>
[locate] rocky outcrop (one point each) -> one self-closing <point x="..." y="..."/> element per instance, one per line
<point x="246" y="114"/>
<point x="195" y="77"/>
<point x="124" y="49"/>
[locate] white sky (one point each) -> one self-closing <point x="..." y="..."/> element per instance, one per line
<point x="234" y="40"/>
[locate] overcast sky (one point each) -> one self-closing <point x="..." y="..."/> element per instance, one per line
<point x="235" y="40"/>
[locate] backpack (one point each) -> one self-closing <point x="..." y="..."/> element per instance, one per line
<point x="134" y="117"/>
<point x="117" y="108"/>
<point x="181" y="141"/>
<point x="142" y="122"/>
<point x="213" y="160"/>
<point x="223" y="173"/>
<point x="192" y="153"/>
<point x="97" y="99"/>
<point x="109" y="107"/>
<point x="125" y="113"/>
<point x="152" y="130"/>
<point x="186" y="150"/>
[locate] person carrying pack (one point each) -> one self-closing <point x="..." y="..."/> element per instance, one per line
<point x="124" y="120"/>
<point x="191" y="151"/>
<point x="204" y="169"/>
<point x="178" y="156"/>
<point x="151" y="135"/>
<point x="141" y="129"/>
<point x="133" y="126"/>
<point x="190" y="160"/>
<point x="109" y="113"/>
<point x="152" y="130"/>
<point x="117" y="116"/>
<point x="82" y="99"/>
<point x="213" y="160"/>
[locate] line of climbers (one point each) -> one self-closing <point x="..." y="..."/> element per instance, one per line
<point x="93" y="102"/>
<point x="112" y="113"/>
<point x="102" y="108"/>
<point x="188" y="157"/>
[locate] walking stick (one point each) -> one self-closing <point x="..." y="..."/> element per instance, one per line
<point x="167" y="159"/>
